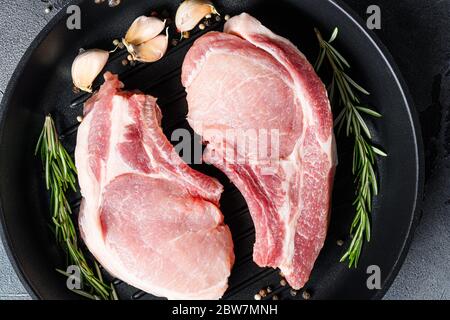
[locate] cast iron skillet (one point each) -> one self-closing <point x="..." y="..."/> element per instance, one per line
<point x="42" y="84"/>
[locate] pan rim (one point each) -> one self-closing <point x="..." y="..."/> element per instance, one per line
<point x="354" y="19"/>
<point x="32" y="290"/>
<point x="417" y="134"/>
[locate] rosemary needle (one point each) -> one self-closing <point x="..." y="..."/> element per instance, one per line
<point x="344" y="91"/>
<point x="60" y="177"/>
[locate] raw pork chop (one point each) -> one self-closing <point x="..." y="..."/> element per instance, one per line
<point x="249" y="78"/>
<point x="147" y="217"/>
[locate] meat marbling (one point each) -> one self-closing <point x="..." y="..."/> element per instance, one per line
<point x="147" y="217"/>
<point x="249" y="78"/>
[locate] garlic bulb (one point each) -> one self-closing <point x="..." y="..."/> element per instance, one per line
<point x="143" y="29"/>
<point x="151" y="50"/>
<point x="87" y="66"/>
<point x="190" y="12"/>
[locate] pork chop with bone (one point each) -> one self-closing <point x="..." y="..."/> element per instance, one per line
<point x="146" y="216"/>
<point x="248" y="78"/>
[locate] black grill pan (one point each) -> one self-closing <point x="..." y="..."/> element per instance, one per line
<point x="42" y="84"/>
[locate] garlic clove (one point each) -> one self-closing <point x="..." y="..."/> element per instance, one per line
<point x="87" y="66"/>
<point x="190" y="12"/>
<point x="143" y="29"/>
<point x="152" y="50"/>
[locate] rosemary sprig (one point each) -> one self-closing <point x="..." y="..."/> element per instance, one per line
<point x="344" y="90"/>
<point x="60" y="176"/>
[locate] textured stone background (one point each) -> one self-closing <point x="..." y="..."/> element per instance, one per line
<point x="417" y="34"/>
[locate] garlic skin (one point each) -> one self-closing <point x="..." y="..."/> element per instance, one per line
<point x="144" y="41"/>
<point x="190" y="12"/>
<point x="87" y="66"/>
<point x="143" y="29"/>
<point x="152" y="50"/>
